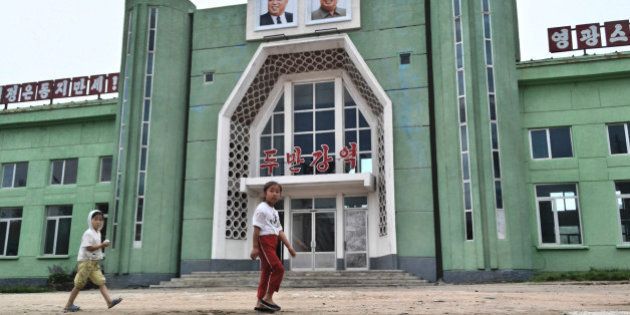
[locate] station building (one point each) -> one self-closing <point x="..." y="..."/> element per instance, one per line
<point x="406" y="134"/>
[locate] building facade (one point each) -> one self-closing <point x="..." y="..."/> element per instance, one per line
<point x="408" y="136"/>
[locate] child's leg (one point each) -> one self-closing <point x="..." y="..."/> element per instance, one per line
<point x="73" y="296"/>
<point x="268" y="249"/>
<point x="265" y="273"/>
<point x="105" y="294"/>
<point x="80" y="279"/>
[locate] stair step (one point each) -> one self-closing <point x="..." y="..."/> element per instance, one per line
<point x="297" y="279"/>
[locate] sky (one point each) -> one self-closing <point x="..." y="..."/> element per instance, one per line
<point x="44" y="39"/>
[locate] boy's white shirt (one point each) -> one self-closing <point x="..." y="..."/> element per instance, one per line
<point x="267" y="219"/>
<point x="91" y="237"/>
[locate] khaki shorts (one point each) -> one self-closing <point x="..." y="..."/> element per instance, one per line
<point x="89" y="269"/>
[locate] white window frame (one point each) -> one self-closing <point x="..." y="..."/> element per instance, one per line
<point x="285" y="87"/>
<point x="13" y="178"/>
<point x="627" y="134"/>
<point x="555" y="215"/>
<point x="63" y="171"/>
<point x="618" y="196"/>
<point x="55" y="218"/>
<point x="547" y="133"/>
<point x="100" y="169"/>
<point x="6" y="238"/>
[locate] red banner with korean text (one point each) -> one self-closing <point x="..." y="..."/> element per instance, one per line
<point x="589" y="36"/>
<point x="59" y="88"/>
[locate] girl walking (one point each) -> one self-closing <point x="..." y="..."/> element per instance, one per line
<point x="267" y="231"/>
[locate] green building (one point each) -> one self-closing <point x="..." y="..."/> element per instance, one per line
<point x="406" y="134"/>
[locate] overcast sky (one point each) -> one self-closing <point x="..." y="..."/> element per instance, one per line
<point x="46" y="39"/>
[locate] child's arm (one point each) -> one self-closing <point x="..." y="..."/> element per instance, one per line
<point x="255" y="245"/>
<point x="96" y="247"/>
<point x="283" y="238"/>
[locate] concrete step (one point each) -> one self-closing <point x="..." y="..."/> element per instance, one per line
<point x="296" y="279"/>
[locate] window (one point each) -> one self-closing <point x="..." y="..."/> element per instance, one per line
<point x="551" y="143"/>
<point x="319" y="131"/>
<point x="104" y="208"/>
<point x="618" y="138"/>
<point x="558" y="214"/>
<point x="208" y="77"/>
<point x="14" y="174"/>
<point x="10" y="225"/>
<point x="64" y="172"/>
<point x="623" y="204"/>
<point x="405" y="58"/>
<point x="57" y="236"/>
<point x="105" y="173"/>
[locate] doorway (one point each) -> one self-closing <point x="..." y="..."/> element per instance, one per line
<point x="313" y="227"/>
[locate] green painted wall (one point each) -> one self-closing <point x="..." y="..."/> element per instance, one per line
<point x="159" y="251"/>
<point x="219" y="45"/>
<point x="586" y="94"/>
<point x="486" y="251"/>
<point x="37" y="135"/>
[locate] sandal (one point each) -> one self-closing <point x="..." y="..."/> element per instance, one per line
<point x="272" y="306"/>
<point x="72" y="308"/>
<point x="263" y="309"/>
<point x="115" y="302"/>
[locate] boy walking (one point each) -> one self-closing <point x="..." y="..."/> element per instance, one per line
<point x="90" y="254"/>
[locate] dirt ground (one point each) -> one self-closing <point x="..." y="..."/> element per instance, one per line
<point x="522" y="298"/>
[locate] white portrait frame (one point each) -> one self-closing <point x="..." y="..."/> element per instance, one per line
<point x="302" y="24"/>
<point x="261" y="9"/>
<point x="315" y="5"/>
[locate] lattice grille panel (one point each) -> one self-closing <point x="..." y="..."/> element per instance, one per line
<point x="248" y="108"/>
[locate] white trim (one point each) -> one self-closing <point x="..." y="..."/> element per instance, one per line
<point x="300" y="24"/>
<point x="618" y="214"/>
<point x="627" y="138"/>
<point x="362" y="182"/>
<point x="219" y="243"/>
<point x="555" y="215"/>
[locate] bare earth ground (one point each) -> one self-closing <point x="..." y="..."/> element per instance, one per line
<point x="521" y="298"/>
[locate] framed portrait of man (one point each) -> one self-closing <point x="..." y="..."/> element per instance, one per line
<point x="328" y="11"/>
<point x="272" y="14"/>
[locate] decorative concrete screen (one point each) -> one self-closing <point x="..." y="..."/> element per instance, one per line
<point x="256" y="95"/>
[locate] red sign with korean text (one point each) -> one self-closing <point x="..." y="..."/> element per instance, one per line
<point x="61" y="88"/>
<point x="349" y="155"/>
<point x="295" y="160"/>
<point x="10" y="93"/>
<point x="617" y="33"/>
<point x="270" y="162"/>
<point x="97" y="84"/>
<point x="560" y="39"/>
<point x="44" y="90"/>
<point x="28" y="92"/>
<point x="588" y="36"/>
<point x="321" y="160"/>
<point x="79" y="86"/>
<point x="112" y="82"/>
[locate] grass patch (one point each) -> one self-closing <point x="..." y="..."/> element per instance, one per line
<point x="591" y="275"/>
<point x="24" y="289"/>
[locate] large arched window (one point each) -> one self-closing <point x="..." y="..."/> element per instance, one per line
<point x="318" y="129"/>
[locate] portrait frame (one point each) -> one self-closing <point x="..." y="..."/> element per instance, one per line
<point x="302" y="22"/>
<point x="314" y="5"/>
<point x="261" y="9"/>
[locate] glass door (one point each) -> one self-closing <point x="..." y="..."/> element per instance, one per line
<point x="355" y="233"/>
<point x="313" y="234"/>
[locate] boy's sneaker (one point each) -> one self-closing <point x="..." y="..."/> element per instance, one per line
<point x="72" y="308"/>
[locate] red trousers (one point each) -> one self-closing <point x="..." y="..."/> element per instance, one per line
<point x="271" y="268"/>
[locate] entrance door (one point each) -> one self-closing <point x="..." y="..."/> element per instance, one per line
<point x="355" y="232"/>
<point x="313" y="234"/>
